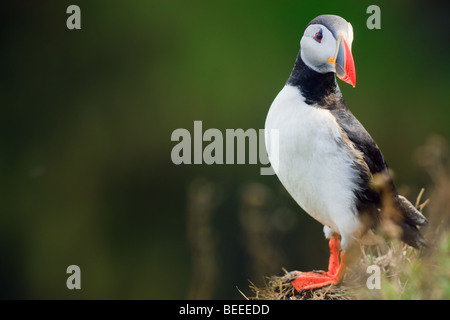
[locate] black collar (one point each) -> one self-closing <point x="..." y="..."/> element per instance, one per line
<point x="318" y="89"/>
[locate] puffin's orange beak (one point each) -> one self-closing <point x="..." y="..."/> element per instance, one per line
<point x="343" y="59"/>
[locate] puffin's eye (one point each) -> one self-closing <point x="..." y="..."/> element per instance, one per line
<point x="318" y="36"/>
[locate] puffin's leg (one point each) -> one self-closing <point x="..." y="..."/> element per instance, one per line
<point x="333" y="264"/>
<point x="314" y="280"/>
<point x="341" y="270"/>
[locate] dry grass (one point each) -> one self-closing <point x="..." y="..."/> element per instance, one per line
<point x="406" y="273"/>
<point x="392" y="264"/>
<point x="280" y="288"/>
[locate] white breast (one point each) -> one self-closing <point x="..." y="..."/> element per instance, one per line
<point x="313" y="164"/>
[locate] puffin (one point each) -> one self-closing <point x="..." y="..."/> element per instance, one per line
<point x="326" y="159"/>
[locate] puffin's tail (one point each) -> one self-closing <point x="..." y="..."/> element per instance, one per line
<point x="410" y="222"/>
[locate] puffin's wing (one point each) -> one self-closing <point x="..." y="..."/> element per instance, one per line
<point x="361" y="139"/>
<point x="368" y="199"/>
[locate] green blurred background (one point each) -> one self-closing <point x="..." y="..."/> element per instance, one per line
<point x="87" y="115"/>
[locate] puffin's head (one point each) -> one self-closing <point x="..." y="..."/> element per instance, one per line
<point x="326" y="47"/>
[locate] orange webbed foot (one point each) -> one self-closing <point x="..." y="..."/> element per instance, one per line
<point x="318" y="279"/>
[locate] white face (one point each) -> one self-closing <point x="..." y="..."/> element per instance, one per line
<point x="316" y="51"/>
